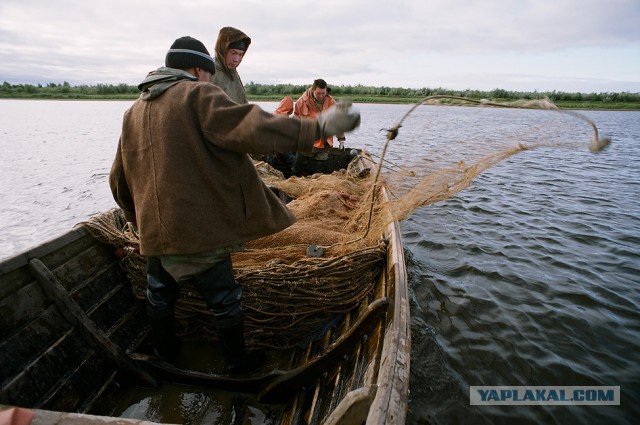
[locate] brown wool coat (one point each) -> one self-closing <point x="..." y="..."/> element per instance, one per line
<point x="181" y="171"/>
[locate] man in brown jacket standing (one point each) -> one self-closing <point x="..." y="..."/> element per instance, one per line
<point x="182" y="175"/>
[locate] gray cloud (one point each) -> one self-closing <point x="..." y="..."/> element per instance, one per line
<point x="401" y="43"/>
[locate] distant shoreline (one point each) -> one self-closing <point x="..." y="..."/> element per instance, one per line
<point x="586" y="106"/>
<point x="357" y="93"/>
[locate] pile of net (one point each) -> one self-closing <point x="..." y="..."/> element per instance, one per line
<point x="289" y="297"/>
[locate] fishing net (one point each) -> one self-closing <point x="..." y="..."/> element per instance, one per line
<point x="291" y="297"/>
<point x="450" y="149"/>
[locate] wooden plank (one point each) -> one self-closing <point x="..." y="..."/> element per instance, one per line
<point x="110" y="303"/>
<point x="21" y="307"/>
<point x="30" y="302"/>
<point x="82" y="384"/>
<point x="79" y="268"/>
<point x="96" y="396"/>
<point x="319" y="392"/>
<point x="97" y="291"/>
<point x="132" y="328"/>
<point x="85" y="326"/>
<point x="22" y="298"/>
<point x="353" y="409"/>
<point x="286" y="385"/>
<point x="293" y="414"/>
<point x="30" y="342"/>
<point x="168" y="372"/>
<point x="20" y="295"/>
<point x="11" y="281"/>
<point x="65" y="371"/>
<point x="44" y="373"/>
<point x="54" y="251"/>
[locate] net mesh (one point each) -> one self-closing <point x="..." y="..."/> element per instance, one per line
<point x="458" y="149"/>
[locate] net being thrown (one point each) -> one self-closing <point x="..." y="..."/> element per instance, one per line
<point x="289" y="296"/>
<point x="450" y="166"/>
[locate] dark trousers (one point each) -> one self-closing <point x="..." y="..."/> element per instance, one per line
<point x="216" y="285"/>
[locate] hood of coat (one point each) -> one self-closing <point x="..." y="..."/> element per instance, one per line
<point x="226" y="36"/>
<point x="160" y="80"/>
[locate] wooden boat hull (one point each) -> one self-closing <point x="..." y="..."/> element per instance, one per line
<point x="46" y="361"/>
<point x="69" y="323"/>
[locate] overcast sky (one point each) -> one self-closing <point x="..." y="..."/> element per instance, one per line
<point x="522" y="45"/>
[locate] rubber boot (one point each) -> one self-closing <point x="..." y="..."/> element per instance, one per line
<point x="223" y="295"/>
<point x="163" y="335"/>
<point x="162" y="293"/>
<point x="238" y="360"/>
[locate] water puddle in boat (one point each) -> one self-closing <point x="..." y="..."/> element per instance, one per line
<point x="182" y="404"/>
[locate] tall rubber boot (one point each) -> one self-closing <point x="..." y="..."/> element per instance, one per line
<point x="163" y="335"/>
<point x="223" y="296"/>
<point x="162" y="293"/>
<point x="237" y="359"/>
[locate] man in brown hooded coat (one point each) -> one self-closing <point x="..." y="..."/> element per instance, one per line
<point x="183" y="176"/>
<point x="231" y="46"/>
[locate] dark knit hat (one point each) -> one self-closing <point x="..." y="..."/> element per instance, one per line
<point x="240" y="44"/>
<point x="187" y="52"/>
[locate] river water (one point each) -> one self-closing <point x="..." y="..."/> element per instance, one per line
<point x="528" y="277"/>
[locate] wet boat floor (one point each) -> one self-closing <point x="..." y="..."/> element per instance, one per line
<point x="182" y="404"/>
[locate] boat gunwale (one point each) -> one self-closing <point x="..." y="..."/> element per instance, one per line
<point x="43" y="249"/>
<point x="394" y="369"/>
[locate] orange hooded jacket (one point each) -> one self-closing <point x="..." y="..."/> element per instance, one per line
<point x="285" y="107"/>
<point x="306" y="107"/>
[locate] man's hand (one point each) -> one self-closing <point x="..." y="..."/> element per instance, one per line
<point x="338" y="119"/>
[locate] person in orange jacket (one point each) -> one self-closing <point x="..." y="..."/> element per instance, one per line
<point x="285" y="107"/>
<point x="317" y="99"/>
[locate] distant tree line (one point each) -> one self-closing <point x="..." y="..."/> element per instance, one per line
<point x="277" y="91"/>
<point x="360" y="90"/>
<point x="65" y="90"/>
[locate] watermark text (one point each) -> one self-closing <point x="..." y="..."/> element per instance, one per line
<point x="549" y="395"/>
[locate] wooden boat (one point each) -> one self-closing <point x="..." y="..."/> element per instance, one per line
<point x="72" y="333"/>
